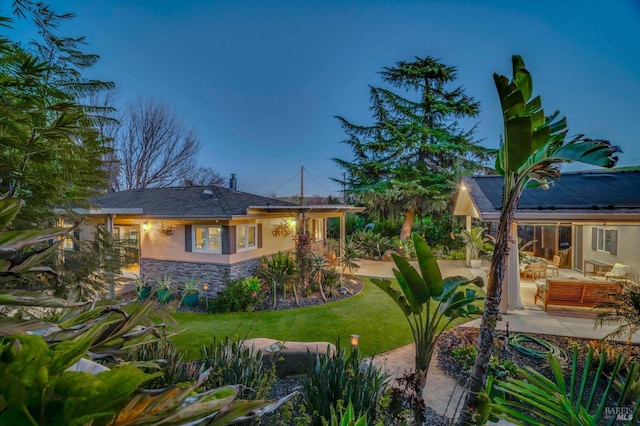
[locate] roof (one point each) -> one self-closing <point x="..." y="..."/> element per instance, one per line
<point x="574" y="196"/>
<point x="191" y="201"/>
<point x="199" y="202"/>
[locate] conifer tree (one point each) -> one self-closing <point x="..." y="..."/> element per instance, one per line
<point x="408" y="161"/>
<point x="51" y="155"/>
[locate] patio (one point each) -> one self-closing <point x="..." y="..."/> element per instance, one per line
<point x="557" y="320"/>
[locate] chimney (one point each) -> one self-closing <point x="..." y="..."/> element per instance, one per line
<point x="233" y="182"/>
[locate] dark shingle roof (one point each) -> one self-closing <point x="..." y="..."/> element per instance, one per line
<point x="575" y="191"/>
<point x="194" y="201"/>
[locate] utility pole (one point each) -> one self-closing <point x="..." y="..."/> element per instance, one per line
<point x="301" y="185"/>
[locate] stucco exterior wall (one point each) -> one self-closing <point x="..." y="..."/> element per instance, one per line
<point x="628" y="246"/>
<point x="165" y="253"/>
<point x="159" y="246"/>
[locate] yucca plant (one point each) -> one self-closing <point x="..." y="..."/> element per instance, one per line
<point x="338" y="376"/>
<point x="533" y="399"/>
<point x="278" y="271"/>
<point x="429" y="302"/>
<point x="232" y="362"/>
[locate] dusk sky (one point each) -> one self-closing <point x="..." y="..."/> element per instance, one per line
<point x="260" y="81"/>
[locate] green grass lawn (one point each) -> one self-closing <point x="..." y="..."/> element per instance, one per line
<point x="371" y="314"/>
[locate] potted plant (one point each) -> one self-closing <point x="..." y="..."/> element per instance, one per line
<point x="476" y="241"/>
<point x="143" y="287"/>
<point x="163" y="288"/>
<point x="190" y="292"/>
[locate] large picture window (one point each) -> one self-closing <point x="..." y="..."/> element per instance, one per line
<point x="207" y="239"/>
<point x="246" y="237"/>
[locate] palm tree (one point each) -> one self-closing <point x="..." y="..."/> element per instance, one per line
<point x="533" y="147"/>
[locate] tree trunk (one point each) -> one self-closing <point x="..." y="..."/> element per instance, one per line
<point x="407" y="224"/>
<point x="478" y="376"/>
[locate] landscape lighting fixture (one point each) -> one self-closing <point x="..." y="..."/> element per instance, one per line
<point x="355" y="339"/>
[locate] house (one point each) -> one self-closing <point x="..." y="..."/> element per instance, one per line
<point x="588" y="218"/>
<point x="212" y="233"/>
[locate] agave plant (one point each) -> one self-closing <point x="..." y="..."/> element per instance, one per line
<point x="429" y="302"/>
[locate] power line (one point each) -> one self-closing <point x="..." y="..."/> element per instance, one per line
<point x="280" y="186"/>
<point x="319" y="184"/>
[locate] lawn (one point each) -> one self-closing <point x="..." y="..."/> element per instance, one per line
<point x="371" y="314"/>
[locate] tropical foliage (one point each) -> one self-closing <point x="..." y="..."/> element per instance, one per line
<point x="338" y="376"/>
<point x="408" y="161"/>
<point x="623" y="309"/>
<point x="278" y="271"/>
<point x="429" y="302"/>
<point x="533" y="399"/>
<point x="534" y="145"/>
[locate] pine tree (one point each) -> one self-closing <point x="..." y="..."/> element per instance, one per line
<point x="408" y="161"/>
<point x="52" y="155"/>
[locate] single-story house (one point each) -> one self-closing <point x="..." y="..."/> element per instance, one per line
<point x="590" y="218"/>
<point x="212" y="233"/>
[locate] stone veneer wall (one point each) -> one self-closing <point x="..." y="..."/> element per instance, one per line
<point x="215" y="275"/>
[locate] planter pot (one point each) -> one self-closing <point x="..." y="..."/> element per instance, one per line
<point x="476" y="263"/>
<point x="190" y="299"/>
<point x="143" y="292"/>
<point x="164" y="295"/>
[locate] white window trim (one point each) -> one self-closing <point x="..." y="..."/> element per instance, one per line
<point x="246" y="237"/>
<point x="194" y="246"/>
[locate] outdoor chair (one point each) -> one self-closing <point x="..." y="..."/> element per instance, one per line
<point x="618" y="272"/>
<point x="541" y="288"/>
<point x="537" y="269"/>
<point x="554" y="265"/>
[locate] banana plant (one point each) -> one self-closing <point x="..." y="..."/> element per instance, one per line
<point x="429" y="302"/>
<point x="529" y="156"/>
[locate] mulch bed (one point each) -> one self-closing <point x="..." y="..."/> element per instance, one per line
<point x="350" y="286"/>
<point x="461" y="336"/>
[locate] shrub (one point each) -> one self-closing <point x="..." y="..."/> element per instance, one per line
<point x="371" y="244"/>
<point x="498" y="368"/>
<point x="338" y="377"/>
<point x="234" y="363"/>
<point x="240" y="295"/>
<point x="168" y="360"/>
<point x="277" y="272"/>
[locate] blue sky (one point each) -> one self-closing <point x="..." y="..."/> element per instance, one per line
<point x="260" y="81"/>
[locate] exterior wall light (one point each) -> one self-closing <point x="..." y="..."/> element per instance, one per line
<point x="146" y="226"/>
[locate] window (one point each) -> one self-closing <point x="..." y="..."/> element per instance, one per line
<point x="207" y="239"/>
<point x="317" y="229"/>
<point x="246" y="237"/>
<point x="70" y="240"/>
<point x="605" y="240"/>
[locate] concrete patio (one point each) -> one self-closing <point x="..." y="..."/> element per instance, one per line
<point x="561" y="321"/>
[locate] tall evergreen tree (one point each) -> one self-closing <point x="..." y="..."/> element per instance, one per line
<point x="408" y="161"/>
<point x="51" y="154"/>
